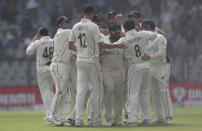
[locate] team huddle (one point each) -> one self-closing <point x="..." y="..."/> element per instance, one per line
<point x="120" y="70"/>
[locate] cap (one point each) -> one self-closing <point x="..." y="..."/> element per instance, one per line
<point x="112" y="14"/>
<point x="134" y="13"/>
<point x="97" y="18"/>
<point x="63" y="19"/>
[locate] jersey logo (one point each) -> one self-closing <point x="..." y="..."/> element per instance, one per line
<point x="152" y="48"/>
<point x="112" y="52"/>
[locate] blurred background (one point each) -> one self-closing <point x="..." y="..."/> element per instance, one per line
<point x="20" y="19"/>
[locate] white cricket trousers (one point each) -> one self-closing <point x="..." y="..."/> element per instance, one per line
<point x="160" y="95"/>
<point x="113" y="93"/>
<point x="72" y="91"/>
<point x="139" y="91"/>
<point x="167" y="104"/>
<point x="89" y="77"/>
<point x="46" y="84"/>
<point x="60" y="75"/>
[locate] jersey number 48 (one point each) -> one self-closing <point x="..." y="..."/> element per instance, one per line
<point x="48" y="52"/>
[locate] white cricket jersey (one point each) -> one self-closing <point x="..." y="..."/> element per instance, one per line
<point x="113" y="58"/>
<point x="157" y="50"/>
<point x="137" y="46"/>
<point x="62" y="53"/>
<point x="43" y="49"/>
<point x="86" y="35"/>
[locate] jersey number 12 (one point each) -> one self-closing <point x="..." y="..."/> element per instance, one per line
<point x="82" y="39"/>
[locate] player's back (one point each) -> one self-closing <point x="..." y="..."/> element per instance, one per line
<point x="86" y="36"/>
<point x="137" y="45"/>
<point x="157" y="50"/>
<point x="61" y="53"/>
<point x="44" y="52"/>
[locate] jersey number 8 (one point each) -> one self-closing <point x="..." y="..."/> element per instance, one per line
<point x="137" y="50"/>
<point x="48" y="52"/>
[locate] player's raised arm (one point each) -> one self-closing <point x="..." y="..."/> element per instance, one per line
<point x="31" y="49"/>
<point x="98" y="39"/>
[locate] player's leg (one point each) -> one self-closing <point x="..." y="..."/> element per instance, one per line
<point x="145" y="97"/>
<point x="46" y="90"/>
<point x="125" y="92"/>
<point x="158" y="93"/>
<point x="108" y="95"/>
<point x="119" y="77"/>
<point x="97" y="94"/>
<point x="167" y="103"/>
<point x="82" y="88"/>
<point x="134" y="84"/>
<point x="59" y="73"/>
<point x="72" y="85"/>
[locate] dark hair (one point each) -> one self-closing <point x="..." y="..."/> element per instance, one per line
<point x="43" y="31"/>
<point x="129" y="25"/>
<point x="148" y="24"/>
<point x="114" y="27"/>
<point x="135" y="14"/>
<point x="88" y="9"/>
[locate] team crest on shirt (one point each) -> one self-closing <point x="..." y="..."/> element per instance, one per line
<point x="112" y="52"/>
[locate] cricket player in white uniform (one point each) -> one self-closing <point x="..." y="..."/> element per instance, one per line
<point x="116" y="18"/>
<point x="42" y="45"/>
<point x="86" y="36"/>
<point x="156" y="51"/>
<point x="138" y="73"/>
<point x="112" y="63"/>
<point x="60" y="69"/>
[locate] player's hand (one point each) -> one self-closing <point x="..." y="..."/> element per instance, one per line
<point x="146" y="57"/>
<point x="104" y="31"/>
<point x="123" y="45"/>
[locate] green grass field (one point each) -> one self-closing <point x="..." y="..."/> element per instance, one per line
<point x="185" y="119"/>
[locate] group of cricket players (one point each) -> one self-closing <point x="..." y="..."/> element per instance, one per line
<point x="119" y="71"/>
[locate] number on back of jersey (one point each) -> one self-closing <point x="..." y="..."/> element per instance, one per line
<point x="137" y="50"/>
<point x="48" y="52"/>
<point x="82" y="40"/>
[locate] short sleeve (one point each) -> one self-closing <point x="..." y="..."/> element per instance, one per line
<point x="72" y="35"/>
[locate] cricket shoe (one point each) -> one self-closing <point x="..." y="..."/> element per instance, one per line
<point x="46" y="118"/>
<point x="66" y="124"/>
<point x="80" y="124"/>
<point x="130" y="124"/>
<point x="90" y="121"/>
<point x="71" y="121"/>
<point x="101" y="124"/>
<point x="116" y="124"/>
<point x="160" y="122"/>
<point x="54" y="122"/>
<point x="170" y="120"/>
<point x="145" y="122"/>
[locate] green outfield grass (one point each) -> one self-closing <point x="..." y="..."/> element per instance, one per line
<point x="186" y="119"/>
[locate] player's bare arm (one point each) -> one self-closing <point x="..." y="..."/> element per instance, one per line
<point x="122" y="45"/>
